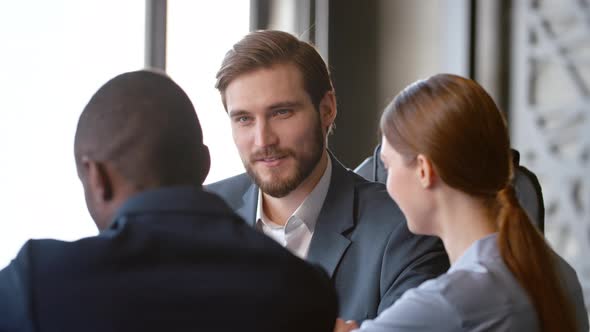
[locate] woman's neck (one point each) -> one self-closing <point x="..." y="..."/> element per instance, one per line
<point x="462" y="221"/>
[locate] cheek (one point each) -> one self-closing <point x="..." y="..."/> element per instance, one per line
<point x="303" y="141"/>
<point x="401" y="188"/>
<point x="241" y="141"/>
<point x="307" y="137"/>
<point x="392" y="184"/>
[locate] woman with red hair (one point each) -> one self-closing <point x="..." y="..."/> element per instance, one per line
<point x="447" y="153"/>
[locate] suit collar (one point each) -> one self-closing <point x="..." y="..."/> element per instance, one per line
<point x="172" y="199"/>
<point x="247" y="208"/>
<point x="336" y="217"/>
<point x="309" y="209"/>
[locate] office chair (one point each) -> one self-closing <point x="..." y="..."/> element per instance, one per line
<point x="527" y="186"/>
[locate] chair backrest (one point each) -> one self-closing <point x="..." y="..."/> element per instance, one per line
<point x="527" y="186"/>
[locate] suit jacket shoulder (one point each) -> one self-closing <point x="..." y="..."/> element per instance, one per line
<point x="363" y="241"/>
<point x="231" y="189"/>
<point x="236" y="183"/>
<point x="240" y="193"/>
<point x="16" y="293"/>
<point x="172" y="260"/>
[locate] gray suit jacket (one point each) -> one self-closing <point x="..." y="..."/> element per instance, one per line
<point x="360" y="239"/>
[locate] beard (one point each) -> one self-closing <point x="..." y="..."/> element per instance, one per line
<point x="304" y="165"/>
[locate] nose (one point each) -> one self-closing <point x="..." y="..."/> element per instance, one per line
<point x="265" y="135"/>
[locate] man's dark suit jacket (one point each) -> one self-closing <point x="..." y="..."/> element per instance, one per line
<point x="175" y="259"/>
<point x="361" y="239"/>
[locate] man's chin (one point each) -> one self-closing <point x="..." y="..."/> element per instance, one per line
<point x="276" y="191"/>
<point x="275" y="186"/>
<point x="277" y="182"/>
<point x="270" y="174"/>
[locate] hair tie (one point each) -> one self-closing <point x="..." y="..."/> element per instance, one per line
<point x="507" y="196"/>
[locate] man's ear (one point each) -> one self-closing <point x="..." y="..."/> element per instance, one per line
<point x="425" y="171"/>
<point x="98" y="179"/>
<point x="328" y="110"/>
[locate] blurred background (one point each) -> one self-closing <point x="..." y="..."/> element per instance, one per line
<point x="532" y="56"/>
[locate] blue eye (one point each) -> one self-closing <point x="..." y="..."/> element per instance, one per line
<point x="243" y="119"/>
<point x="282" y="112"/>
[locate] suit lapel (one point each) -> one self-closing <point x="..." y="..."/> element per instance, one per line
<point x="247" y="208"/>
<point x="336" y="217"/>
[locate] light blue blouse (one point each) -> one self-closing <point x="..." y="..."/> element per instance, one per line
<point x="478" y="293"/>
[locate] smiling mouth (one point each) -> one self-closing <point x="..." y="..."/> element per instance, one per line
<point x="271" y="158"/>
<point x="271" y="161"/>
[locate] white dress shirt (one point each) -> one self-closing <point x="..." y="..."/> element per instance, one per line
<point x="296" y="234"/>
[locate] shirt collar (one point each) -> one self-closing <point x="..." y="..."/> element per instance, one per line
<point x="310" y="208"/>
<point x="170" y="199"/>
<point x="483" y="248"/>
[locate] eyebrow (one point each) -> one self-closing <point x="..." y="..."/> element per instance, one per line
<point x="234" y="113"/>
<point x="283" y="104"/>
<point x="286" y="104"/>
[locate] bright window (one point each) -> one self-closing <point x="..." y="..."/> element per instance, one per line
<point x="199" y="35"/>
<point x="55" y="54"/>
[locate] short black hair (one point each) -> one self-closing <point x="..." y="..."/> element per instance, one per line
<point x="146" y="126"/>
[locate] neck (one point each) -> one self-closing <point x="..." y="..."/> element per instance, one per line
<point x="462" y="221"/>
<point x="280" y="209"/>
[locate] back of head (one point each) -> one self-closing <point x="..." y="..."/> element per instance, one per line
<point x="265" y="48"/>
<point x="456" y="124"/>
<point x="145" y="125"/>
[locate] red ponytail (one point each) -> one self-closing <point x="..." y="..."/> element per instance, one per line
<point x="532" y="262"/>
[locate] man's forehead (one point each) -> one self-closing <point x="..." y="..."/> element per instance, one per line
<point x="265" y="87"/>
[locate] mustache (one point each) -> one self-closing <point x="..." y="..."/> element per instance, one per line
<point x="269" y="153"/>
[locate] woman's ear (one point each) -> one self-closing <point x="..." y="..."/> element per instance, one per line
<point x="425" y="171"/>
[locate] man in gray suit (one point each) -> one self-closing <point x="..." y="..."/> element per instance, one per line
<point x="278" y="93"/>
